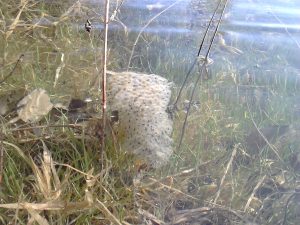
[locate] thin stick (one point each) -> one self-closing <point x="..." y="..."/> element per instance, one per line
<point x="151" y="217"/>
<point x="106" y="20"/>
<point x="13" y="70"/>
<point x="114" y="14"/>
<point x="202" y="69"/>
<point x="106" y="211"/>
<point x="47" y="126"/>
<point x="189" y="106"/>
<point x="254" y="192"/>
<point x="1" y="160"/>
<point x="198" y="54"/>
<point x="144" y="27"/>
<point x="226" y="171"/>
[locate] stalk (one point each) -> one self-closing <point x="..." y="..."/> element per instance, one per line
<point x="106" y="21"/>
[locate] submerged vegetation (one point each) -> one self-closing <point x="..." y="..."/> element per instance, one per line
<point x="239" y="160"/>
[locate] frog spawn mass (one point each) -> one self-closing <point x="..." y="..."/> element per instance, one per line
<point x="144" y="124"/>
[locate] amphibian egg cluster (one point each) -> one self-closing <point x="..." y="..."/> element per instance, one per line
<point x="144" y="124"/>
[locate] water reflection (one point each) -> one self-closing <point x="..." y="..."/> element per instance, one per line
<point x="258" y="40"/>
<point x="263" y="25"/>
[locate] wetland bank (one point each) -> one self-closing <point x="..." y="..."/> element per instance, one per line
<point x="239" y="160"/>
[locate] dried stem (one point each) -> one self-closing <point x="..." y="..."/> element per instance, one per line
<point x="106" y="211"/>
<point x="202" y="70"/>
<point x="13" y="70"/>
<point x="1" y="160"/>
<point x="198" y="54"/>
<point x="106" y="21"/>
<point x="226" y="172"/>
<point x="253" y="192"/>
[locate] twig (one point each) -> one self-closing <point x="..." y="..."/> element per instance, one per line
<point x="13" y="70"/>
<point x="151" y="217"/>
<point x="189" y="106"/>
<point x="185" y="216"/>
<point x="144" y="27"/>
<point x="253" y="192"/>
<point x="77" y="170"/>
<point x="114" y="14"/>
<point x="177" y="191"/>
<point x="47" y="126"/>
<point x="202" y="69"/>
<point x="1" y="160"/>
<point x="106" y="211"/>
<point x="226" y="171"/>
<point x="198" y="54"/>
<point x="106" y="21"/>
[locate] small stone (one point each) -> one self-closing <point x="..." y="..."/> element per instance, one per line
<point x="34" y="106"/>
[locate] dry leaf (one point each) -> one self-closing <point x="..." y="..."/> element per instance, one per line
<point x="37" y="217"/>
<point x="34" y="106"/>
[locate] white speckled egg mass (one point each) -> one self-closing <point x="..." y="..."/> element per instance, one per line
<point x="141" y="101"/>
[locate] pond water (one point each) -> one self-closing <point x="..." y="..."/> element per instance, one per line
<point x="261" y="37"/>
<point x="258" y="40"/>
<point x="255" y="73"/>
<point x="240" y="147"/>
